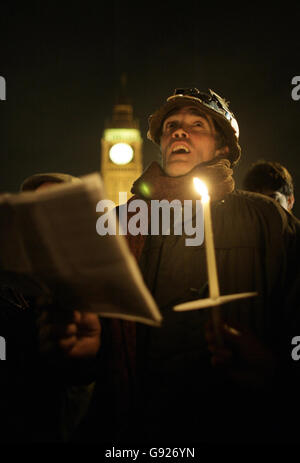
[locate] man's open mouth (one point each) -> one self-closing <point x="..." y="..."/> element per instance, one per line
<point x="178" y="149"/>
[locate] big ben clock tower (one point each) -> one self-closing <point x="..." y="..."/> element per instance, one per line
<point x="121" y="155"/>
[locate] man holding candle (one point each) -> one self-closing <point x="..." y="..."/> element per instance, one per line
<point x="167" y="372"/>
<point x="256" y="244"/>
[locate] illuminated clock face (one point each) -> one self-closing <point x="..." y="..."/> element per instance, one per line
<point x="121" y="153"/>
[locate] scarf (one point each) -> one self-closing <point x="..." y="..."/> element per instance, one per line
<point x="154" y="183"/>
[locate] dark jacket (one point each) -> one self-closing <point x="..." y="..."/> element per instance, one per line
<point x="158" y="383"/>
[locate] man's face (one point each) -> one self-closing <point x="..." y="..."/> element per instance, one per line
<point x="286" y="202"/>
<point x="188" y="138"/>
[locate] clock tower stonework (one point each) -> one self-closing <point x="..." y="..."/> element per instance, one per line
<point x="121" y="154"/>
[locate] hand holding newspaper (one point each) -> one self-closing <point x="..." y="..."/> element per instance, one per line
<point x="51" y="234"/>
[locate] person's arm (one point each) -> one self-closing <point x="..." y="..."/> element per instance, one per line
<point x="70" y="342"/>
<point x="242" y="357"/>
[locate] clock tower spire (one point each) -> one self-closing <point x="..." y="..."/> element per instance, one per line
<point x="121" y="154"/>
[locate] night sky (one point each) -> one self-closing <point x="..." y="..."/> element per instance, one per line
<point x="62" y="66"/>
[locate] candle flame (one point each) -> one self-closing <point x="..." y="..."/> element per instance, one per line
<point x="201" y="188"/>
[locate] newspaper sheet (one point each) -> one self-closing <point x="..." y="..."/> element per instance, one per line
<point x="51" y="234"/>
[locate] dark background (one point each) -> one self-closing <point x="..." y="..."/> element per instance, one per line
<point x="62" y="64"/>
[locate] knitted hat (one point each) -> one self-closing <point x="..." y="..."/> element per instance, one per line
<point x="210" y="103"/>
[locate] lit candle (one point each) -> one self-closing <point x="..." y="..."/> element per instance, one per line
<point x="213" y="283"/>
<point x="214" y="299"/>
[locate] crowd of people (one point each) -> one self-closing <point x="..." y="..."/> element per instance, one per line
<point x="82" y="378"/>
